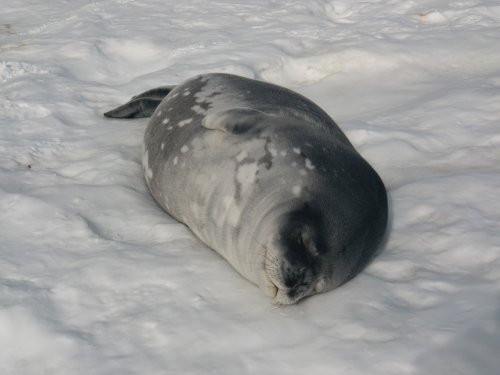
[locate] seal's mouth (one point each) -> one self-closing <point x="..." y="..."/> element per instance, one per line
<point x="269" y="270"/>
<point x="285" y="296"/>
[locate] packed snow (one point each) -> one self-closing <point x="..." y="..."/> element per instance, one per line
<point x="96" y="279"/>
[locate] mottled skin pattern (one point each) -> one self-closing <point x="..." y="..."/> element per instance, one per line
<point x="264" y="177"/>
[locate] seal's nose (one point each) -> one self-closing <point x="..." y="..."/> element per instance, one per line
<point x="294" y="277"/>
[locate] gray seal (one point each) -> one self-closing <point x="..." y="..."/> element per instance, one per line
<point x="264" y="177"/>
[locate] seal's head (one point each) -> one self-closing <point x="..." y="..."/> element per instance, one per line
<point x="297" y="257"/>
<point x="314" y="250"/>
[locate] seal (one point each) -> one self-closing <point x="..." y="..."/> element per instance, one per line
<point x="264" y="177"/>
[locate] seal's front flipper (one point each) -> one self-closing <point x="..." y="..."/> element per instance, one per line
<point x="142" y="105"/>
<point x="236" y="120"/>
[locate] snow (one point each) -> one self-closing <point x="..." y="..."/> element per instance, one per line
<point x="96" y="279"/>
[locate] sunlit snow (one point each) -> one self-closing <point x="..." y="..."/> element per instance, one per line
<point x="96" y="279"/>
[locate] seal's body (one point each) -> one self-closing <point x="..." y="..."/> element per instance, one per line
<point x="264" y="177"/>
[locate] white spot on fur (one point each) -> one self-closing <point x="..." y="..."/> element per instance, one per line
<point x="162" y="146"/>
<point x="296" y="190"/>
<point x="309" y="164"/>
<point x="199" y="109"/>
<point x="197" y="144"/>
<point x="184" y="149"/>
<point x="159" y="112"/>
<point x="320" y="285"/>
<point x="170" y="128"/>
<point x="232" y="212"/>
<point x="175" y="95"/>
<point x="165" y="121"/>
<point x="273" y="152"/>
<point x="296" y="150"/>
<point x="185" y="122"/>
<point x="186" y="93"/>
<point x="145" y="164"/>
<point x="176" y="159"/>
<point x="246" y="175"/>
<point x="241" y="156"/>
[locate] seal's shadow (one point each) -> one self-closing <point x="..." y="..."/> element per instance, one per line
<point x="390" y="220"/>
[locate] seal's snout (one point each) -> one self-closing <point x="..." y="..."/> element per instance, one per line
<point x="294" y="277"/>
<point x="299" y="248"/>
<point x="291" y="274"/>
<point x="297" y="280"/>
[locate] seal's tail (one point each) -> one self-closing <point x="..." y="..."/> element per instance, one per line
<point x="142" y="105"/>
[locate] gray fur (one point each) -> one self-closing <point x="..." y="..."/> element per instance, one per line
<point x="264" y="177"/>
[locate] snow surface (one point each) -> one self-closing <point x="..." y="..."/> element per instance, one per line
<point x="96" y="279"/>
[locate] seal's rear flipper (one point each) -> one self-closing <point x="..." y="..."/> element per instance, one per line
<point x="136" y="108"/>
<point x="157" y="93"/>
<point x="142" y="105"/>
